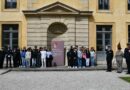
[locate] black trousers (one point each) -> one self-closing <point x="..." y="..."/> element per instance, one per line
<point x="83" y="63"/>
<point x="1" y="63"/>
<point x="109" y="65"/>
<point x="8" y="59"/>
<point x="128" y="65"/>
<point x="71" y="62"/>
<point x="49" y="62"/>
<point x="68" y="61"/>
<point x="15" y="63"/>
<point x="75" y="62"/>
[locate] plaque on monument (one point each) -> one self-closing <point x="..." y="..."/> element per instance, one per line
<point x="58" y="53"/>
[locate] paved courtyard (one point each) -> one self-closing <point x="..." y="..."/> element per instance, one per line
<point x="71" y="80"/>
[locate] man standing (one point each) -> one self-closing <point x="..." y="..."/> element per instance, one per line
<point x="36" y="56"/>
<point x="70" y="57"/>
<point x="127" y="57"/>
<point x="79" y="54"/>
<point x="109" y="57"/>
<point x="8" y="57"/>
<point x="43" y="57"/>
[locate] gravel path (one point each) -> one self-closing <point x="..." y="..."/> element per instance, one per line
<point x="78" y="80"/>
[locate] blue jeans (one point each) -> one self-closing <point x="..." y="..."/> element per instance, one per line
<point x="23" y="61"/>
<point x="92" y="61"/>
<point x="79" y="62"/>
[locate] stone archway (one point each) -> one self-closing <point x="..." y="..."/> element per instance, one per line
<point x="56" y="32"/>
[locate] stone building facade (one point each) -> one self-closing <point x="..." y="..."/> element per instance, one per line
<point x="89" y="23"/>
<point x="57" y="16"/>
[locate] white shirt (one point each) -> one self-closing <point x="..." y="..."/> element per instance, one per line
<point x="43" y="54"/>
<point x="49" y="53"/>
<point x="28" y="55"/>
<point x="92" y="53"/>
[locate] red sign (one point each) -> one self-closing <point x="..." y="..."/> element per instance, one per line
<point x="58" y="52"/>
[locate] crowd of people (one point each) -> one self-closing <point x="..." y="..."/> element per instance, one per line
<point x="78" y="57"/>
<point x="119" y="55"/>
<point x="81" y="57"/>
<point x="29" y="57"/>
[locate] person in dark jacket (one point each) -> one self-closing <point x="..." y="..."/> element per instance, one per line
<point x="35" y="56"/>
<point x="70" y="56"/>
<point x="16" y="57"/>
<point x="2" y="56"/>
<point x="109" y="57"/>
<point x="39" y="63"/>
<point x="8" y="57"/>
<point x="75" y="58"/>
<point x="19" y="59"/>
<point x="127" y="57"/>
<point x="49" y="58"/>
<point x="88" y="62"/>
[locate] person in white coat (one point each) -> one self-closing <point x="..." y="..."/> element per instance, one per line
<point x="28" y="57"/>
<point x="43" y="57"/>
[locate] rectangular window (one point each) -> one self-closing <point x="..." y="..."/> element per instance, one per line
<point x="10" y="4"/>
<point x="10" y="35"/>
<point x="103" y="4"/>
<point x="104" y="36"/>
<point x="128" y="33"/>
<point x="128" y="4"/>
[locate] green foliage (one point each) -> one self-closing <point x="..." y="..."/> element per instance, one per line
<point x="126" y="79"/>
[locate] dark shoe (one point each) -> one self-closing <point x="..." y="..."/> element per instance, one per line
<point x="108" y="71"/>
<point x="119" y="72"/>
<point x="127" y="73"/>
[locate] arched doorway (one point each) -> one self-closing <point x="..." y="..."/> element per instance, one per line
<point x="55" y="41"/>
<point x="55" y="32"/>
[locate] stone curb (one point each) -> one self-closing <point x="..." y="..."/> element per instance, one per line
<point x="6" y="71"/>
<point x="60" y="69"/>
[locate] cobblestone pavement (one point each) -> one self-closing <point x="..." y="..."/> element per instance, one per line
<point x="71" y="80"/>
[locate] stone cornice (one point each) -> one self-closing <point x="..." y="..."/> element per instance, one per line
<point x="61" y="8"/>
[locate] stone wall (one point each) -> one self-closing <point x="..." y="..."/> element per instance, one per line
<point x="77" y="30"/>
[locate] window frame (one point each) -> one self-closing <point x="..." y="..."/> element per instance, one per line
<point x="12" y="33"/>
<point x="20" y="39"/>
<point x="11" y="9"/>
<point x="110" y="10"/>
<point x="103" y="4"/>
<point x="128" y="5"/>
<point x="10" y="6"/>
<point x="128" y="40"/>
